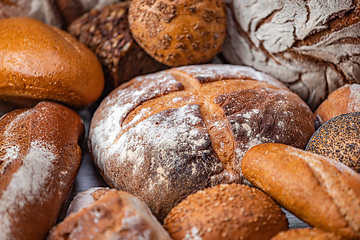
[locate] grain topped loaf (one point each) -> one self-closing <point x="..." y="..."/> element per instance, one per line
<point x="39" y="160"/>
<point x="166" y="135"/>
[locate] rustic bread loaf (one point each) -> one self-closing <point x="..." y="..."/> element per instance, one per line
<point x="338" y="139"/>
<point x="166" y="135"/>
<point x="321" y="191"/>
<point x="344" y="100"/>
<point x="40" y="62"/>
<point x="106" y="32"/>
<point x="181" y="32"/>
<point x="43" y="10"/>
<point x="226" y="212"/>
<point x="305" y="234"/>
<point x="311" y="46"/>
<point x="39" y="160"/>
<point x="101" y="213"/>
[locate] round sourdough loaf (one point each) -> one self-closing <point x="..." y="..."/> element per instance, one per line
<point x="166" y="135"/>
<point x="108" y="214"/>
<point x="181" y="32"/>
<point x="311" y="46"/>
<point x="226" y="212"/>
<point x="40" y="62"/>
<point x="39" y="160"/>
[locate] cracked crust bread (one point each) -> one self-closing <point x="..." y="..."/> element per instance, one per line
<point x="40" y="62"/>
<point x="311" y="46"/>
<point x="166" y="135"/>
<point x="226" y="212"/>
<point x="321" y="191"/>
<point x="108" y="214"/>
<point x="39" y="160"/>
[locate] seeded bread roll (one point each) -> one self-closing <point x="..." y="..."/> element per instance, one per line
<point x="166" y="135"/>
<point x="305" y="234"/>
<point x="180" y="32"/>
<point x="40" y="62"/>
<point x="39" y="160"/>
<point x="344" y="100"/>
<point x="100" y="213"/>
<point x="226" y="212"/>
<point x="311" y="46"/>
<point x="321" y="191"/>
<point x="106" y="32"/>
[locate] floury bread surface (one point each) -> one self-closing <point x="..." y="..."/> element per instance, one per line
<point x="312" y="46"/>
<point x="108" y="214"/>
<point x="39" y="160"/>
<point x="166" y="135"/>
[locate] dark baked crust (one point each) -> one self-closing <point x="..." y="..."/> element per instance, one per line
<point x="166" y="135"/>
<point x="226" y="212"/>
<point x="305" y="234"/>
<point x="108" y="214"/>
<point x="322" y="192"/>
<point x="40" y="158"/>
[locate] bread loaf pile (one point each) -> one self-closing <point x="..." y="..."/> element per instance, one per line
<point x="180" y="149"/>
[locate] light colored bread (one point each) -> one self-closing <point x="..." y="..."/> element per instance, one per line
<point x="344" y="100"/>
<point x="226" y="212"/>
<point x="321" y="191"/>
<point x="39" y="160"/>
<point x="305" y="234"/>
<point x="40" y="62"/>
<point x="166" y="135"/>
<point x="108" y="214"/>
<point x="311" y="46"/>
<point x="181" y="32"/>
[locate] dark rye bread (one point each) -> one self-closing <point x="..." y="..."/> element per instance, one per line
<point x="106" y="32"/>
<point x="108" y="214"/>
<point x="39" y="160"/>
<point x="320" y="191"/>
<point x="166" y="135"/>
<point x="224" y="212"/>
<point x="311" y="46"/>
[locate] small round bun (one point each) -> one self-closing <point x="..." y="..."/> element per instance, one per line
<point x="305" y="234"/>
<point x="180" y="32"/>
<point x="226" y="212"/>
<point x="344" y="100"/>
<point x="40" y="62"/>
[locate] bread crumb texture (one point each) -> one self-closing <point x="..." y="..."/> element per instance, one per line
<point x="165" y="135"/>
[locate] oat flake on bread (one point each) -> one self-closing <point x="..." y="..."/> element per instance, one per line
<point x="166" y="135"/>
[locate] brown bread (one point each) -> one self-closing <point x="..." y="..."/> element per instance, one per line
<point x="321" y="191"/>
<point x="166" y="135"/>
<point x="226" y="212"/>
<point x="108" y="214"/>
<point x="39" y="160"/>
<point x="305" y="234"/>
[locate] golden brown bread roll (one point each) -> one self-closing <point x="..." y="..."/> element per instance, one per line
<point x="39" y="160"/>
<point x="181" y="32"/>
<point x="166" y="135"/>
<point x="39" y="62"/>
<point x="226" y="212"/>
<point x="321" y="191"/>
<point x="305" y="234"/>
<point x="101" y="213"/>
<point x="344" y="100"/>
